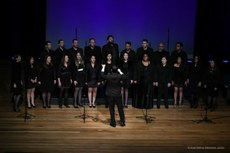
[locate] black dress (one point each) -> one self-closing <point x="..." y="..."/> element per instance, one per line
<point x="108" y="68"/>
<point x="179" y="75"/>
<point x="143" y="92"/>
<point x="64" y="73"/>
<point x="127" y="69"/>
<point x="31" y="72"/>
<point x="79" y="75"/>
<point x="47" y="77"/>
<point x="16" y="78"/>
<point x="92" y="75"/>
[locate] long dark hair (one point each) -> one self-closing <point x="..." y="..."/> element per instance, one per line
<point x="44" y="62"/>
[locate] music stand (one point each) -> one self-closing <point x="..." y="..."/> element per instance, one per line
<point x="84" y="115"/>
<point x="26" y="115"/>
<point x="146" y="117"/>
<point x="205" y="118"/>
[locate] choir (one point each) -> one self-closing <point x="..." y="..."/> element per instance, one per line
<point x="148" y="75"/>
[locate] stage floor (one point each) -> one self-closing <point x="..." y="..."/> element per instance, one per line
<point x="62" y="130"/>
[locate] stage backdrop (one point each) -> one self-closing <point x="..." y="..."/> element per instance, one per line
<point x="128" y="20"/>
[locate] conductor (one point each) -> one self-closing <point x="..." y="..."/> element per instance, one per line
<point x="113" y="93"/>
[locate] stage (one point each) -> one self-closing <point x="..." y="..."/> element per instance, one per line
<point x="62" y="130"/>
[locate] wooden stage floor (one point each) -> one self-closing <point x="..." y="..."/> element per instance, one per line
<point x="61" y="130"/>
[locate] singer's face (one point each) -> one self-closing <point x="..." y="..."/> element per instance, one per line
<point x="78" y="56"/>
<point x="49" y="45"/>
<point x="109" y="57"/>
<point x="144" y="44"/>
<point x="196" y="59"/>
<point x="92" y="42"/>
<point x="126" y="56"/>
<point x="127" y="46"/>
<point x="31" y="60"/>
<point x="75" y="43"/>
<point x="111" y="39"/>
<point x="161" y="46"/>
<point x="62" y="43"/>
<point x="48" y="60"/>
<point x="66" y="58"/>
<point x="163" y="60"/>
<point x="93" y="59"/>
<point x="212" y="63"/>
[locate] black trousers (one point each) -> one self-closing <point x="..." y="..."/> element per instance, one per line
<point x="115" y="100"/>
<point x="162" y="92"/>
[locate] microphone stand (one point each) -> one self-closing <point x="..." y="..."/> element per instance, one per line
<point x="26" y="115"/>
<point x="146" y="117"/>
<point x="84" y="115"/>
<point x="205" y="118"/>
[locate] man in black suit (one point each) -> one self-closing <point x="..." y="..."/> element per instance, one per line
<point x="92" y="50"/>
<point x="179" y="52"/>
<point x="111" y="48"/>
<point x="72" y="52"/>
<point x="145" y="49"/>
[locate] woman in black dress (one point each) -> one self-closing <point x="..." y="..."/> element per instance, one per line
<point x="195" y="76"/>
<point x="211" y="83"/>
<point x="47" y="80"/>
<point x="92" y="80"/>
<point x="31" y="78"/>
<point x="179" y="79"/>
<point x="79" y="77"/>
<point x="127" y="69"/>
<point x="16" y="81"/>
<point x="64" y="80"/>
<point x="144" y="81"/>
<point x="164" y="81"/>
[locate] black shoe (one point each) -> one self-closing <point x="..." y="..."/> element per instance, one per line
<point x="122" y="123"/>
<point x="67" y="106"/>
<point x="60" y="106"/>
<point x="90" y="106"/>
<point x="17" y="110"/>
<point x="126" y="106"/>
<point x="106" y="106"/>
<point x="166" y="106"/>
<point x="94" y="106"/>
<point x="113" y="124"/>
<point x="158" y="107"/>
<point x="29" y="107"/>
<point x="80" y="105"/>
<point x="49" y="106"/>
<point x="44" y="106"/>
<point x="75" y="106"/>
